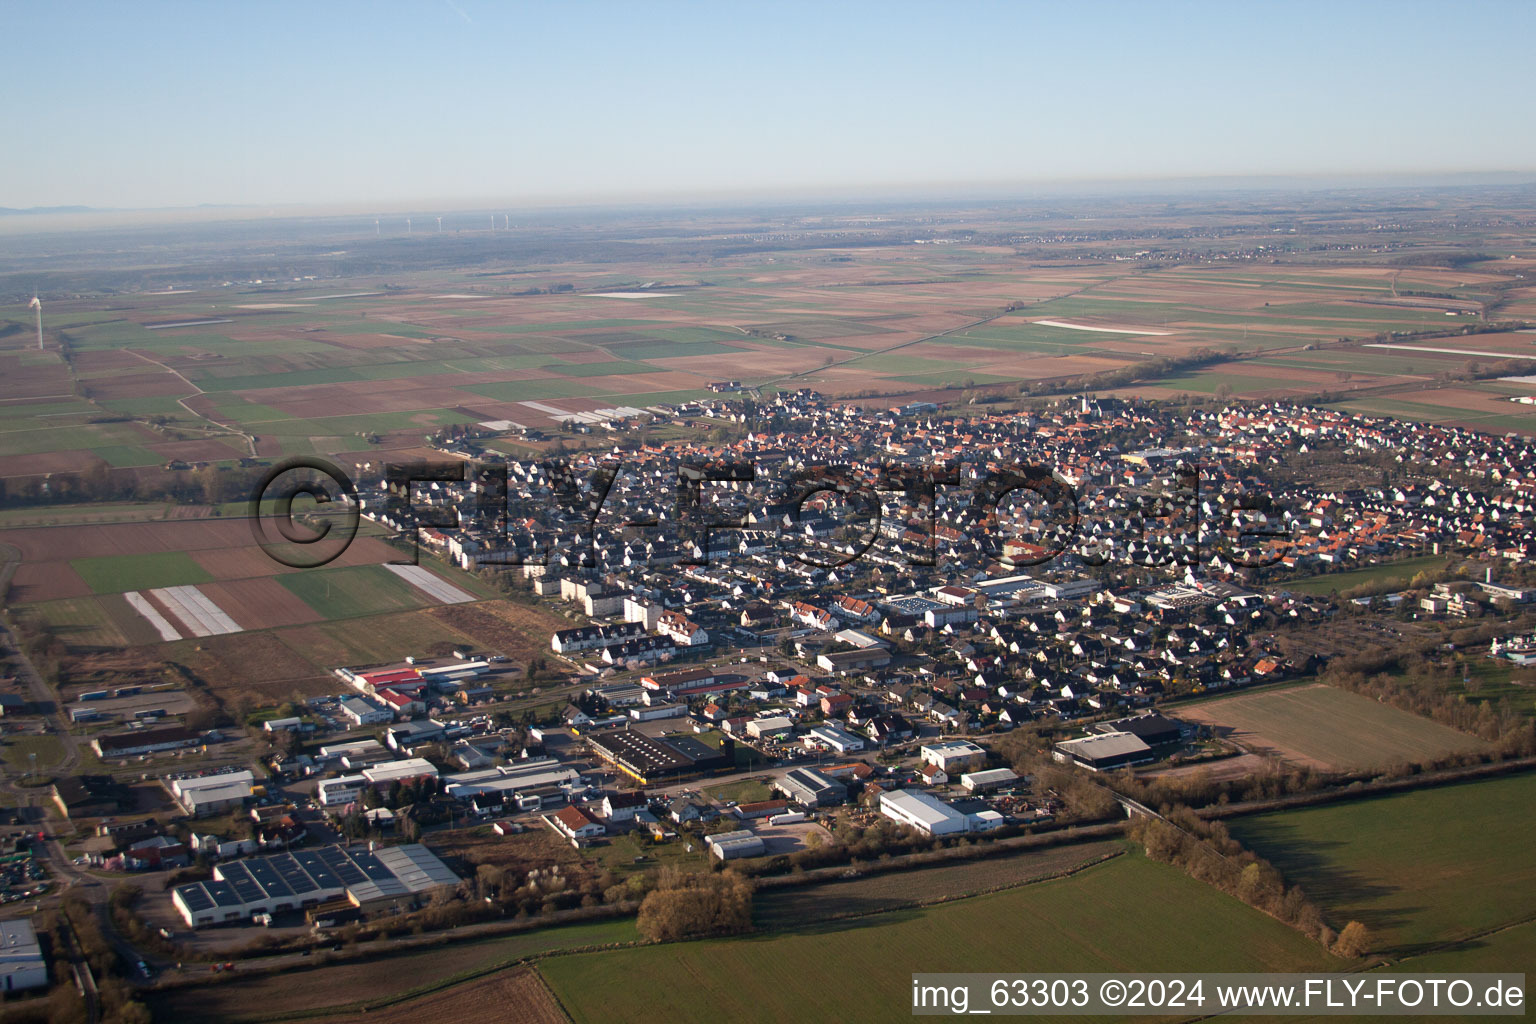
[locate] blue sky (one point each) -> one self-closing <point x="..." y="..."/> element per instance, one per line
<point x="463" y="101"/>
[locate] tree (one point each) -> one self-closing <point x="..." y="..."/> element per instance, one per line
<point x="96" y="479"/>
<point x="210" y="479"/>
<point x="1353" y="942"/>
<point x="688" y="904"/>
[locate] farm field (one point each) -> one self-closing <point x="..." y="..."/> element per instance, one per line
<point x="352" y="592"/>
<point x="1098" y="919"/>
<point x="113" y="574"/>
<point x="369" y="373"/>
<point x="1510" y="949"/>
<point x="282" y="997"/>
<point x="1323" y="727"/>
<point x="791" y="908"/>
<point x="1476" y="406"/>
<point x="1387" y="572"/>
<point x="1419" y="869"/>
<point x="514" y="996"/>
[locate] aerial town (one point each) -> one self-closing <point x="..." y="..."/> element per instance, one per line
<point x="615" y="514"/>
<point x="861" y="667"/>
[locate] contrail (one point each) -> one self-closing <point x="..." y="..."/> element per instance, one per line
<point x="460" y="12"/>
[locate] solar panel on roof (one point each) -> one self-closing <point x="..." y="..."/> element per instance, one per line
<point x="316" y="866"/>
<point x="371" y="865"/>
<point x="244" y="885"/>
<point x="194" y="897"/>
<point x="297" y="879"/>
<point x="268" y="878"/>
<point x="223" y="894"/>
<point x="346" y="870"/>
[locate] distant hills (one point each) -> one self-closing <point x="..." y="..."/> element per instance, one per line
<point x="11" y="211"/>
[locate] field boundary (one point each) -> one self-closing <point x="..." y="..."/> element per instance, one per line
<point x="532" y="959"/>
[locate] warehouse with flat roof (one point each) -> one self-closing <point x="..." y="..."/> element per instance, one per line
<point x="811" y="788"/>
<point x="21" y="957"/>
<point x="651" y="759"/>
<point x="1151" y="728"/>
<point x="923" y="812"/>
<point x="1104" y="752"/>
<point x="984" y="781"/>
<point x="369" y="878"/>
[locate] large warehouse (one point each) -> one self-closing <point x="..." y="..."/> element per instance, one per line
<point x="369" y="879"/>
<point x="1104" y="752"/>
<point x="654" y="760"/>
<point x="923" y="812"/>
<point x="811" y="788"/>
<point x="544" y="775"/>
<point x="1151" y="728"/>
<point x="211" y="794"/>
<point x="21" y="958"/>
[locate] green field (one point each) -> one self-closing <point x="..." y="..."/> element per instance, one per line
<point x="1128" y="914"/>
<point x="1427" y="412"/>
<point x="1404" y="571"/>
<point x="79" y="622"/>
<point x="1329" y="727"/>
<point x="744" y="792"/>
<point x="352" y="592"/>
<point x="1419" y="869"/>
<point x="374" y="638"/>
<point x="17" y="752"/>
<point x="1510" y="949"/>
<point x="114" y="574"/>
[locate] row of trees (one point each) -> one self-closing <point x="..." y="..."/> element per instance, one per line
<point x="99" y="482"/>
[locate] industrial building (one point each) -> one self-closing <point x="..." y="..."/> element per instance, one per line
<point x="846" y="662"/>
<point x="21" y="958"/>
<point x="655" y="760"/>
<point x="954" y="756"/>
<point x="1104" y="752"/>
<point x="653" y="711"/>
<point x="925" y="813"/>
<point x="540" y="777"/>
<point x="212" y="794"/>
<point x="773" y="725"/>
<point x="1151" y="728"/>
<point x="811" y="788"/>
<point x="370" y="879"/>
<point x="840" y="740"/>
<point x="363" y="711"/>
<point x="733" y="845"/>
<point x="144" y="741"/>
<point x="984" y="781"/>
<point x="387" y="773"/>
<point x="90" y="796"/>
<point x="342" y="790"/>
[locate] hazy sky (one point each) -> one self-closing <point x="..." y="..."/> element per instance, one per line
<point x="145" y="104"/>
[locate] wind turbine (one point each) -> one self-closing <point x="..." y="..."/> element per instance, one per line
<point x="506" y="221"/>
<point x="493" y="222"/>
<point x="376" y="226"/>
<point x="407" y="225"/>
<point x="37" y="305"/>
<point x="439" y="225"/>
